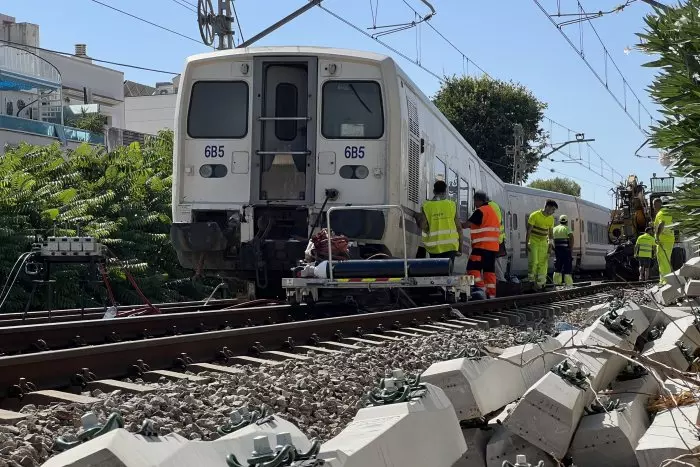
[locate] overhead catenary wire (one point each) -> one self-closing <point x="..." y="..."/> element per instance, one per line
<point x="185" y="5"/>
<point x="603" y="79"/>
<point x="131" y="15"/>
<point x="109" y="62"/>
<point x="441" y="79"/>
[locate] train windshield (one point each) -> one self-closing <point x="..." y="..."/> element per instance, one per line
<point x="218" y="109"/>
<point x="352" y="110"/>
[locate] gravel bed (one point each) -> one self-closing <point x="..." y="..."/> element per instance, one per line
<point x="320" y="397"/>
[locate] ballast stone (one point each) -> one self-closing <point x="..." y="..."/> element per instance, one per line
<point x="477" y="387"/>
<point x="549" y="412"/>
<point x="610" y="439"/>
<point x="422" y="432"/>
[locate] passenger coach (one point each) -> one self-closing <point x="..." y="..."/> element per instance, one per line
<point x="267" y="138"/>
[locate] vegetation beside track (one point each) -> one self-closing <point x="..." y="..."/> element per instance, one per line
<point x="122" y="198"/>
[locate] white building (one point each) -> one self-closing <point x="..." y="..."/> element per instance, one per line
<point x="36" y="88"/>
<point x="150" y="109"/>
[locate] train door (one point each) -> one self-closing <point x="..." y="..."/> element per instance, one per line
<point x="284" y="130"/>
<point x="514" y="234"/>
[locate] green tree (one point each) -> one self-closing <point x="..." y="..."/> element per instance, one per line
<point x="122" y="198"/>
<point x="484" y="110"/>
<point x="559" y="185"/>
<point x="671" y="35"/>
<point x="94" y="122"/>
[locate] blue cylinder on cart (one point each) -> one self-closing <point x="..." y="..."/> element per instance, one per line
<point x="382" y="268"/>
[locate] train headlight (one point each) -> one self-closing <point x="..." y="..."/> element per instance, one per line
<point x="213" y="171"/>
<point x="206" y="171"/>
<point x="361" y="171"/>
<point x="354" y="172"/>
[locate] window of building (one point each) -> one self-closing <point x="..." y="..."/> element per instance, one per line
<point x="452" y="185"/>
<point x="352" y="110"/>
<point x="286" y="102"/>
<point x="218" y="109"/>
<point x="463" y="199"/>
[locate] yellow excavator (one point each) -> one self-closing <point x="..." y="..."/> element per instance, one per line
<point x="632" y="214"/>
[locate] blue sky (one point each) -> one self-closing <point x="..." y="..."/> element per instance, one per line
<point x="510" y="39"/>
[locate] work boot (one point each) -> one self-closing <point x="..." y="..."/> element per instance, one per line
<point x="556" y="278"/>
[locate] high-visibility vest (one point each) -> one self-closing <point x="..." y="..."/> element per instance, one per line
<point x="485" y="236"/>
<point x="646" y="244"/>
<point x="667" y="235"/>
<point x="561" y="235"/>
<point x="442" y="233"/>
<point x="494" y="205"/>
<point x="540" y="225"/>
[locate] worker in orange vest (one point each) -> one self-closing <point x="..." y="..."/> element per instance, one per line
<point x="485" y="229"/>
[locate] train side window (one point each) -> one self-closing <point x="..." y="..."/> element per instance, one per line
<point x="473" y="193"/>
<point x="352" y="110"/>
<point x="463" y="199"/>
<point x="515" y="221"/>
<point x="218" y="109"/>
<point x="452" y="185"/>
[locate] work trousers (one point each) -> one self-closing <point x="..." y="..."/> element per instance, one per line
<point x="562" y="265"/>
<point x="663" y="256"/>
<point x="481" y="260"/>
<point x="501" y="265"/>
<point x="537" y="261"/>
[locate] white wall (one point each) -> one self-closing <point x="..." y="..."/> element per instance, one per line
<point x="150" y="114"/>
<point x="107" y="85"/>
<point x="14" y="138"/>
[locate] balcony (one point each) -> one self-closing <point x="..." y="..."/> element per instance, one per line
<point x="24" y="72"/>
<point x="51" y="130"/>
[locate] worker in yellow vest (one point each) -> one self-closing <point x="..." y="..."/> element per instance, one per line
<point x="563" y="252"/>
<point x="644" y="252"/>
<point x="501" y="255"/>
<point x="540" y="226"/>
<point x="439" y="221"/>
<point x="664" y="239"/>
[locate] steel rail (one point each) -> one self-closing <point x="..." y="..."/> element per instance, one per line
<point x="53" y="369"/>
<point x="72" y="314"/>
<point x="29" y="338"/>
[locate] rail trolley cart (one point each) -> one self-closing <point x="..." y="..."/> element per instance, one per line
<point x="348" y="278"/>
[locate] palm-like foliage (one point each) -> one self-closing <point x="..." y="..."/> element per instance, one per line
<point x="121" y="198"/>
<point x="673" y="35"/>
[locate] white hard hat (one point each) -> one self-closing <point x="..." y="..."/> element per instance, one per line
<point x="563" y="219"/>
<point x="665" y="199"/>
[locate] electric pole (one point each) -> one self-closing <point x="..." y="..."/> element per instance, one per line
<point x="516" y="152"/>
<point x="211" y="25"/>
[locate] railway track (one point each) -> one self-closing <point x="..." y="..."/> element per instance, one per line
<point x="74" y="369"/>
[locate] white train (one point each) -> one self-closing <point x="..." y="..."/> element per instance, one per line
<point x="267" y="138"/>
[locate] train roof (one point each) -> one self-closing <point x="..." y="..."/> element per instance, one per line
<point x="291" y="50"/>
<point x="526" y="190"/>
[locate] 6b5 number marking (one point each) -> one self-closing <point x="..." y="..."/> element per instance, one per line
<point x="213" y="151"/>
<point x="354" y="152"/>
